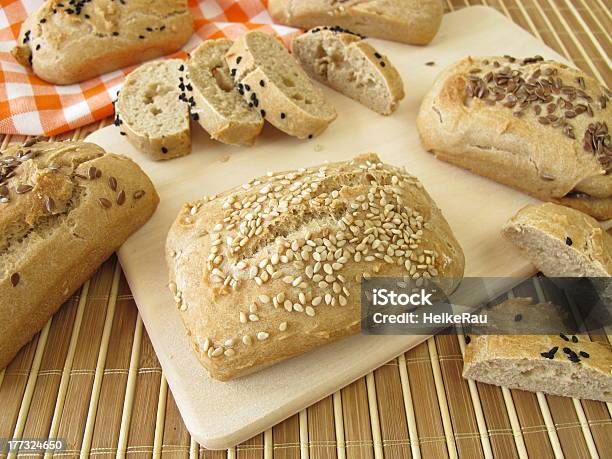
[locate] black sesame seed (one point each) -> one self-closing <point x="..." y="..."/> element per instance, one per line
<point x="141" y="37"/>
<point x="574" y="339"/>
<point x="283" y="116"/>
<point x="518" y="317"/>
<point x="87" y="16"/>
<point x="567" y="350"/>
<point x="115" y="34"/>
<point x="584" y="354"/>
<point x="310" y="136"/>
<point x="37" y="47"/>
<point x="122" y="133"/>
<point x="233" y="72"/>
<point x="378" y="56"/>
<point x="164" y="150"/>
<point x="149" y="29"/>
<point x="247" y="87"/>
<point x="238" y="59"/>
<point x="43" y="20"/>
<point x="262" y="83"/>
<point x="546" y="355"/>
<point x="430" y="63"/>
<point x="563" y="337"/>
<point x="263" y="113"/>
<point x="468" y="339"/>
<point x="195" y="116"/>
<point x="181" y="68"/>
<point x="382" y="64"/>
<point x="568" y="240"/>
<point x="162" y="27"/>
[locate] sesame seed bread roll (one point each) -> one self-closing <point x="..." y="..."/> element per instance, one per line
<point x="272" y="81"/>
<point x="415" y="22"/>
<point x="538" y="126"/>
<point x="65" y="207"/>
<point x="153" y="110"/>
<point x="561" y="242"/>
<point x="220" y="109"/>
<point x="68" y="42"/>
<point x="346" y="63"/>
<point x="271" y="269"/>
<point x="557" y="365"/>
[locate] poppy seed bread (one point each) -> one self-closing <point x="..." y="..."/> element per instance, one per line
<point x="271" y="269"/>
<point x="219" y="108"/>
<point x="415" y="22"/>
<point x="538" y="126"/>
<point x="153" y="109"/>
<point x="348" y="64"/>
<point x="68" y="42"/>
<point x="65" y="207"/>
<point x="272" y="81"/>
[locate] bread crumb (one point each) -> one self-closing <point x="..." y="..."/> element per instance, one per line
<point x="318" y="147"/>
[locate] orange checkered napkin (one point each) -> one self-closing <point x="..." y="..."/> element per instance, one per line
<point x="31" y="106"/>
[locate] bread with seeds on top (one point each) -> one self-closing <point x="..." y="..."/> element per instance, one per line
<point x="272" y="81"/>
<point x="68" y="42"/>
<point x="345" y="62"/>
<point x="219" y="108"/>
<point x="65" y="207"/>
<point x="271" y="269"/>
<point x="153" y="108"/>
<point x="415" y="22"/>
<point x="538" y="126"/>
<point x="561" y="242"/>
<point x="558" y="365"/>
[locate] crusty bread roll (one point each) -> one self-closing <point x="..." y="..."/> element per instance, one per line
<point x="535" y="125"/>
<point x="408" y="21"/>
<point x="219" y="108"/>
<point x="346" y="63"/>
<point x="153" y="109"/>
<point x="65" y="207"/>
<point x="559" y="365"/>
<point x="66" y="42"/>
<point x="271" y="80"/>
<point x="561" y="242"/>
<point x="272" y="269"/>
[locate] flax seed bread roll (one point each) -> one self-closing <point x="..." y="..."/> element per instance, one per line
<point x="415" y="22"/>
<point x="537" y="126"/>
<point x="272" y="269"/>
<point x="219" y="107"/>
<point x="65" y="207"/>
<point x="558" y="365"/>
<point x="67" y="42"/>
<point x="346" y="63"/>
<point x="561" y="242"/>
<point x="153" y="109"/>
<point x="272" y="81"/>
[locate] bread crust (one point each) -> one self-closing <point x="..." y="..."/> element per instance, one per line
<point x="515" y="360"/>
<point x="235" y="126"/>
<point x="105" y="35"/>
<point x="347" y="49"/>
<point x="547" y="159"/>
<point x="275" y="277"/>
<point x="57" y="234"/>
<point x="582" y="247"/>
<point x="414" y="22"/>
<point x="250" y="68"/>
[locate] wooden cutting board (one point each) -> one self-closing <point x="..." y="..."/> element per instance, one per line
<point x="222" y="414"/>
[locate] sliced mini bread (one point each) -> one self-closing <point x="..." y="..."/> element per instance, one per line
<point x="153" y="110"/>
<point x="272" y="81"/>
<point x="346" y="63"/>
<point x="541" y="363"/>
<point x="219" y="108"/>
<point x="560" y="241"/>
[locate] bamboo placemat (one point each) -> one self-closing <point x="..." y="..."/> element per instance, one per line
<point x="91" y="377"/>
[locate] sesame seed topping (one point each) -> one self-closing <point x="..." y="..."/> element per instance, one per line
<point x="262" y="336"/>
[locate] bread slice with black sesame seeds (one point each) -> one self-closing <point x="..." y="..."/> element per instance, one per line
<point x="153" y="109"/>
<point x="346" y="63"/>
<point x="560" y="241"/>
<point x="219" y="107"/>
<point x="541" y="363"/>
<point x="272" y="81"/>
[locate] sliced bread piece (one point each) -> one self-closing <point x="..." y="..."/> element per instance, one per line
<point x="561" y="242"/>
<point x="153" y="112"/>
<point x="345" y="62"/>
<point x="219" y="108"/>
<point x="272" y="81"/>
<point x="541" y="363"/>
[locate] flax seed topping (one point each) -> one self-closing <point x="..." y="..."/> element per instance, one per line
<point x="533" y="85"/>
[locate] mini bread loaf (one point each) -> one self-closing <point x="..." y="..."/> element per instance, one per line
<point x="271" y="269"/>
<point x="153" y="109"/>
<point x="219" y="107"/>
<point x="558" y="365"/>
<point x="561" y="242"/>
<point x="538" y="126"/>
<point x="65" y="207"/>
<point x="272" y="81"/>
<point x="408" y="21"/>
<point x="70" y="41"/>
<point x="346" y="63"/>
